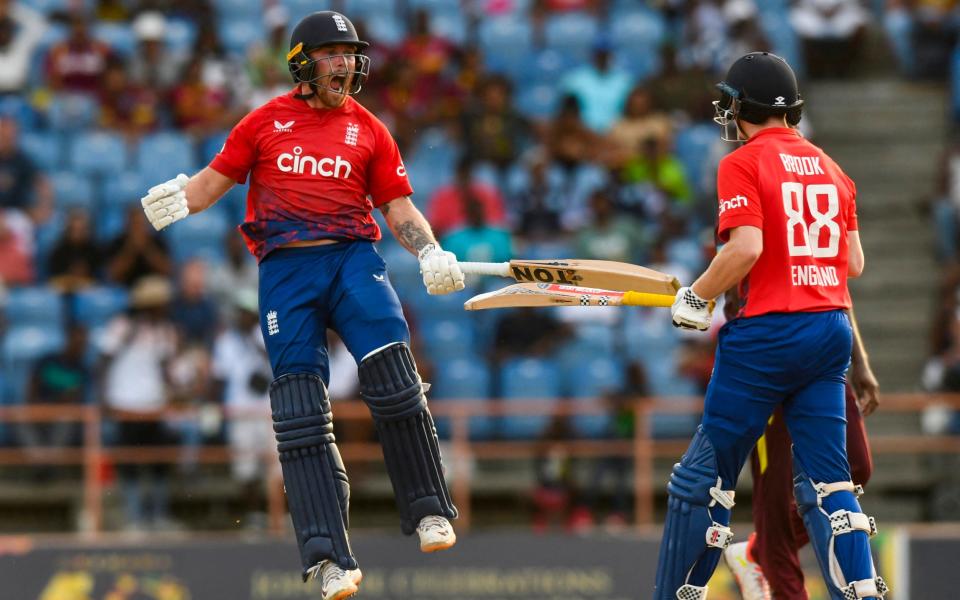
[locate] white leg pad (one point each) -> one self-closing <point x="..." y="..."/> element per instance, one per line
<point x="865" y="588"/>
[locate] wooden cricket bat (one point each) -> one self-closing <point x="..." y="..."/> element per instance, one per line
<point x="552" y="294"/>
<point x="604" y="274"/>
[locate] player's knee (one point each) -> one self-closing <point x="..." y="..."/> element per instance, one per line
<point x="301" y="411"/>
<point x="390" y="384"/>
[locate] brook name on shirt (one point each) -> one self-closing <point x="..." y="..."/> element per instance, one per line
<point x="801" y="165"/>
<point x="814" y="275"/>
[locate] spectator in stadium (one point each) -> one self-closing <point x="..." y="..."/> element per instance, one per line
<point x="153" y="66"/>
<point x="828" y="29"/>
<point x="112" y="10"/>
<point x="744" y="31"/>
<point x="428" y="53"/>
<point x="536" y="204"/>
<point x="138" y="347"/>
<point x="568" y="139"/>
<point x="661" y="173"/>
<point x="20" y="31"/>
<point x="21" y="185"/>
<point x="16" y="268"/>
<point x="137" y="252"/>
<point x="125" y="107"/>
<point x="199" y="108"/>
<point x="193" y="309"/>
<point x="242" y="371"/>
<point x="945" y="207"/>
<point x="555" y="491"/>
<point x="477" y="240"/>
<point x="609" y="236"/>
<point x="491" y="128"/>
<point x="219" y="71"/>
<point x="704" y="35"/>
<point x="265" y="67"/>
<point x="75" y="260"/>
<point x="601" y="88"/>
<point x="237" y="272"/>
<point x="641" y="120"/>
<point x="77" y="64"/>
<point x="62" y="378"/>
<point x="528" y="332"/>
<point x="687" y="91"/>
<point x="446" y="209"/>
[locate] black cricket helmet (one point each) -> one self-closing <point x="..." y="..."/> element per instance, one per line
<point x="758" y="86"/>
<point x="325" y="28"/>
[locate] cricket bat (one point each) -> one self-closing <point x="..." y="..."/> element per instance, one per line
<point x="553" y="294"/>
<point x="604" y="274"/>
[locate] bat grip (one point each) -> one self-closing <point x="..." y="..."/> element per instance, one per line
<point x="485" y="268"/>
<point x="646" y="299"/>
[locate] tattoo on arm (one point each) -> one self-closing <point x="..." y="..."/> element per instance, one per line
<point x="385" y="209"/>
<point x="413" y="236"/>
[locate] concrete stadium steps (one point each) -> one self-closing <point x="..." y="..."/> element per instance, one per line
<point x="888" y="135"/>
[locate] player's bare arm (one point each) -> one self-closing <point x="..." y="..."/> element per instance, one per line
<point x="441" y="273"/>
<point x="861" y="375"/>
<point x="692" y="307"/>
<point x="855" y="264"/>
<point x="205" y="188"/>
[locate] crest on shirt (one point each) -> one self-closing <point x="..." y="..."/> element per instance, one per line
<point x="279" y="127"/>
<point x="353" y="130"/>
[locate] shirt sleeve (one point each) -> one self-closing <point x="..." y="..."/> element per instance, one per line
<point x="236" y="158"/>
<point x="387" y="177"/>
<point x="738" y="196"/>
<point x="852" y="224"/>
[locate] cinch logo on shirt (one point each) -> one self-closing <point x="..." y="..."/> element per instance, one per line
<point x="300" y="163"/>
<point x="735" y="202"/>
<point x="801" y="165"/>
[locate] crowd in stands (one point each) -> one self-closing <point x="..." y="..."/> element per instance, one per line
<point x="529" y="128"/>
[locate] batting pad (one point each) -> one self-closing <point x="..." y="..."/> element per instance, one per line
<point x="391" y="387"/>
<point x="696" y="529"/>
<point x="318" y="492"/>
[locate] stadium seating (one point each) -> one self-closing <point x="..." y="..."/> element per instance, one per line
<point x="572" y="34"/>
<point x="199" y="236"/>
<point x="37" y="306"/>
<point x="43" y="148"/>
<point x="528" y="379"/>
<point x="363" y="9"/>
<point x="466" y="378"/>
<point x="72" y="190"/>
<point x="21" y="346"/>
<point x="240" y="33"/>
<point x="445" y="338"/>
<point x="593" y="376"/>
<point x="119" y="36"/>
<point x="163" y="155"/>
<point x="72" y="112"/>
<point x="98" y="153"/>
<point x="95" y="306"/>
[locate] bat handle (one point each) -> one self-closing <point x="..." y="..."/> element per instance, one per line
<point x="646" y="299"/>
<point x="485" y="268"/>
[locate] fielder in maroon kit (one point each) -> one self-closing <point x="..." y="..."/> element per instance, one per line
<point x="318" y="164"/>
<point x="767" y="566"/>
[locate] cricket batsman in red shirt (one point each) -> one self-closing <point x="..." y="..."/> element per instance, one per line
<point x="319" y="163"/>
<point x="787" y="217"/>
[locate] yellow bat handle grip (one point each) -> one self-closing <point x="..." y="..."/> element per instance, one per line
<point x="646" y="299"/>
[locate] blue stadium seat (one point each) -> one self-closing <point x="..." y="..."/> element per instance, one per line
<point x="95" y="306"/>
<point x="642" y="63"/>
<point x="445" y="338"/>
<point x="200" y="236"/>
<point x="505" y="41"/>
<point x="449" y="25"/>
<point x="686" y="252"/>
<point x="240" y="33"/>
<point x="164" y="155"/>
<point x="119" y="36"/>
<point x="539" y="101"/>
<point x="465" y="378"/>
<point x="49" y="6"/>
<point x="72" y="189"/>
<point x="692" y="146"/>
<point x="43" y="148"/>
<point x="180" y="34"/>
<point x="97" y="153"/>
<point x="33" y="306"/>
<point x="239" y="9"/>
<point x="298" y="9"/>
<point x="572" y="34"/>
<point x="385" y="28"/>
<point x="524" y="379"/>
<point x="640" y="30"/>
<point x="125" y="188"/>
<point x="648" y="334"/>
<point x="18" y="109"/>
<point x="593" y="376"/>
<point x="364" y="9"/>
<point x="211" y="145"/>
<point x="22" y="345"/>
<point x="72" y="112"/>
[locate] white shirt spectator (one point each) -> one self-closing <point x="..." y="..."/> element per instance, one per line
<point x="16" y="57"/>
<point x="138" y="349"/>
<point x="827" y="19"/>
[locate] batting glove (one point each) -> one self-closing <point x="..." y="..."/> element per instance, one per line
<point x="690" y="311"/>
<point x="166" y="203"/>
<point x="441" y="273"/>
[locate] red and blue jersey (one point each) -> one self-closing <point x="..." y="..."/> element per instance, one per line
<point x="805" y="205"/>
<point x="314" y="173"/>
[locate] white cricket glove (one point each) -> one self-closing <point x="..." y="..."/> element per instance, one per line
<point x="690" y="311"/>
<point x="167" y="202"/>
<point x="441" y="273"/>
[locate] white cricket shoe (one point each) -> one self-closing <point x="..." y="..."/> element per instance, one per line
<point x="749" y="575"/>
<point x="436" y="533"/>
<point x="336" y="583"/>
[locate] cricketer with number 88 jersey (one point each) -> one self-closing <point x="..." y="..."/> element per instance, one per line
<point x="804" y="203"/>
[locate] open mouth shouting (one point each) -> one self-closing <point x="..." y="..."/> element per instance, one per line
<point x="338" y="83"/>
